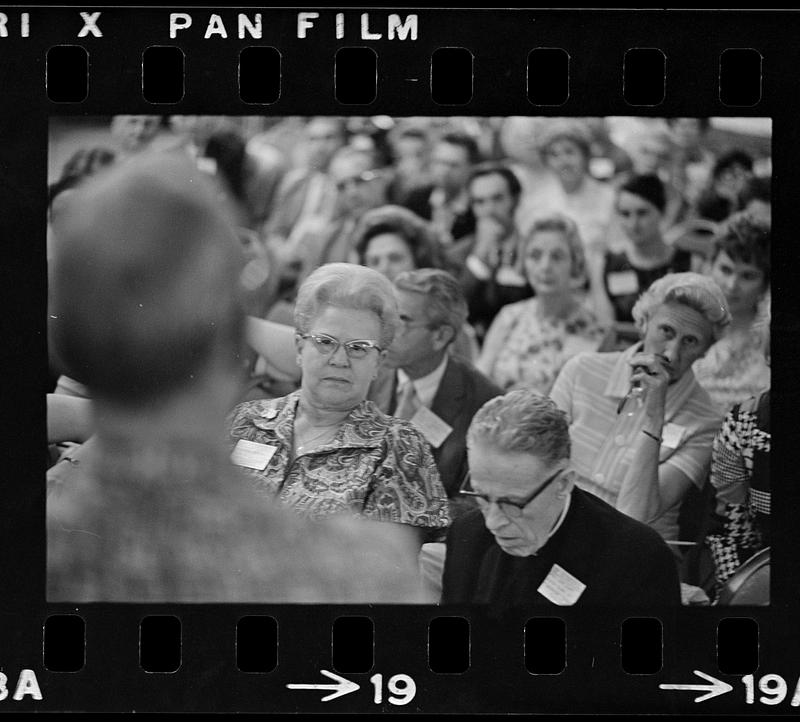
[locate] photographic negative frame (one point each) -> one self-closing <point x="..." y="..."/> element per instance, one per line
<point x="698" y="82"/>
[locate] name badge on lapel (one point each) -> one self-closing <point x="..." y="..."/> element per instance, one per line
<point x="252" y="454"/>
<point x="622" y="283"/>
<point x="431" y="426"/>
<point x="561" y="588"/>
<point x="672" y="435"/>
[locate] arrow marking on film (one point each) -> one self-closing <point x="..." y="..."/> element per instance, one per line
<point x="343" y="686"/>
<point x="716" y="687"/>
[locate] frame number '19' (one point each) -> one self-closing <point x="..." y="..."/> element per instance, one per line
<point x="401" y="686"/>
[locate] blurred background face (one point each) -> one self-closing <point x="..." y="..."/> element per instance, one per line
<point x="389" y="254"/>
<point x="198" y="128"/>
<point x="323" y="138"/>
<point x="731" y="181"/>
<point x="450" y="167"/>
<point x="490" y="197"/>
<point x="411" y="153"/>
<point x="359" y="188"/>
<point x="566" y="159"/>
<point x="649" y="154"/>
<point x="687" y="131"/>
<point x="639" y="218"/>
<point x="742" y="283"/>
<point x="518" y="138"/>
<point x="336" y="381"/>
<point x="548" y="263"/>
<point x="133" y="132"/>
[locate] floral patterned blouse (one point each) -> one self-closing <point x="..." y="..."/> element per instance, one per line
<point x="733" y="369"/>
<point x="376" y="466"/>
<point x="523" y="349"/>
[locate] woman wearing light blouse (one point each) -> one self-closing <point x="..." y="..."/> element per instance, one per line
<point x="529" y="341"/>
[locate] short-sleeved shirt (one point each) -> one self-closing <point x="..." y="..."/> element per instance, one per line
<point x="590" y="387"/>
<point x="376" y="466"/>
<point x="625" y="282"/>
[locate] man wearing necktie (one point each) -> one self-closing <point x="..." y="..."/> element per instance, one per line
<point x="423" y="382"/>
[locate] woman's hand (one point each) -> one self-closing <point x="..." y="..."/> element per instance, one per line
<point x="651" y="374"/>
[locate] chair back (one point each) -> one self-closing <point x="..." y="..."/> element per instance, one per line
<point x="749" y="584"/>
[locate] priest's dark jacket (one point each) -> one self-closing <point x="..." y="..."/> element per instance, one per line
<point x="621" y="562"/>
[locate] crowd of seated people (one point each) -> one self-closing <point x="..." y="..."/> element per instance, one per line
<point x="459" y="360"/>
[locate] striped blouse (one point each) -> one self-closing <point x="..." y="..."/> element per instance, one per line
<point x="589" y="389"/>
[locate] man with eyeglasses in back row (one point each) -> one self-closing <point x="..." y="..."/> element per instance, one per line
<point x="536" y="538"/>
<point x="425" y="381"/>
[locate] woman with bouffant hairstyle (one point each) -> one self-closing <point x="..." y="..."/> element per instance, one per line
<point x="331" y="450"/>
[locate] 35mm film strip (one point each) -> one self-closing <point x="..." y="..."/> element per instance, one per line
<point x="68" y="70"/>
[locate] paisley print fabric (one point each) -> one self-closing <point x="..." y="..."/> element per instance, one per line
<point x="376" y="466"/>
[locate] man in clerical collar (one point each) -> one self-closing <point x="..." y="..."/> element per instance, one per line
<point x="536" y="539"/>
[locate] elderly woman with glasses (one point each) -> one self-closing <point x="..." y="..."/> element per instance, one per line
<point x="536" y="539"/>
<point x="325" y="449"/>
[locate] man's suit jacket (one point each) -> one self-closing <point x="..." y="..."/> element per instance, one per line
<point x="290" y="199"/>
<point x="462" y="391"/>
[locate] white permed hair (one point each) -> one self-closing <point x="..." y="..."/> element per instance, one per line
<point x="691" y="289"/>
<point x="347" y="286"/>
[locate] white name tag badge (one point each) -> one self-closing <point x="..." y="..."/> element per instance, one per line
<point x="672" y="435"/>
<point x="622" y="283"/>
<point x="561" y="588"/>
<point x="252" y="454"/>
<point x="431" y="426"/>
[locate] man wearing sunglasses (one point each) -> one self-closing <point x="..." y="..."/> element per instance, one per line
<point x="536" y="539"/>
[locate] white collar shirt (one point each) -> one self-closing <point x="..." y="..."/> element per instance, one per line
<point x="425" y="386"/>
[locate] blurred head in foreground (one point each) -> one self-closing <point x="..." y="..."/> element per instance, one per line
<point x="146" y="294"/>
<point x="145" y="286"/>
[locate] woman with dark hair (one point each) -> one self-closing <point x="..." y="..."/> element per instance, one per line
<point x="391" y="239"/>
<point x="624" y="275"/>
<point x="735" y="369"/>
<point x="729" y="176"/>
